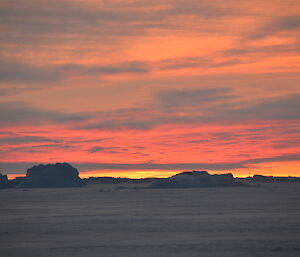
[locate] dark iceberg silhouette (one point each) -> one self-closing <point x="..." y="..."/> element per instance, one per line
<point x="196" y="179"/>
<point x="4" y="183"/>
<point x="52" y="175"/>
<point x="65" y="175"/>
<point x="270" y="179"/>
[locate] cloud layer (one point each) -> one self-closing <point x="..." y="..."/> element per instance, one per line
<point x="150" y="85"/>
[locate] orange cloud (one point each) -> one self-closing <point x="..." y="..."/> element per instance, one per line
<point x="147" y="88"/>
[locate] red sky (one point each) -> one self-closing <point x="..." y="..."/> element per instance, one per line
<point x="151" y="88"/>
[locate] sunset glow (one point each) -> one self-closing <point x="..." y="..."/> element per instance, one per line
<point x="151" y="88"/>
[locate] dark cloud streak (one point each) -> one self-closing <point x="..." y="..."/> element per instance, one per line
<point x="24" y="139"/>
<point x="23" y="73"/>
<point x="10" y="167"/>
<point x="18" y="113"/>
<point x="205" y="109"/>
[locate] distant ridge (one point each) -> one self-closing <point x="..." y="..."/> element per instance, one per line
<point x="197" y="179"/>
<point x="65" y="175"/>
<point x="269" y="179"/>
<point x="254" y="179"/>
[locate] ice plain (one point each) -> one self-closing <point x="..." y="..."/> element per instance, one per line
<point x="255" y="221"/>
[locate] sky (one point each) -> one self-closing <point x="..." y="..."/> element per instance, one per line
<point x="142" y="88"/>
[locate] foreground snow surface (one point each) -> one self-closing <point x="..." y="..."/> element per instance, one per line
<point x="87" y="222"/>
